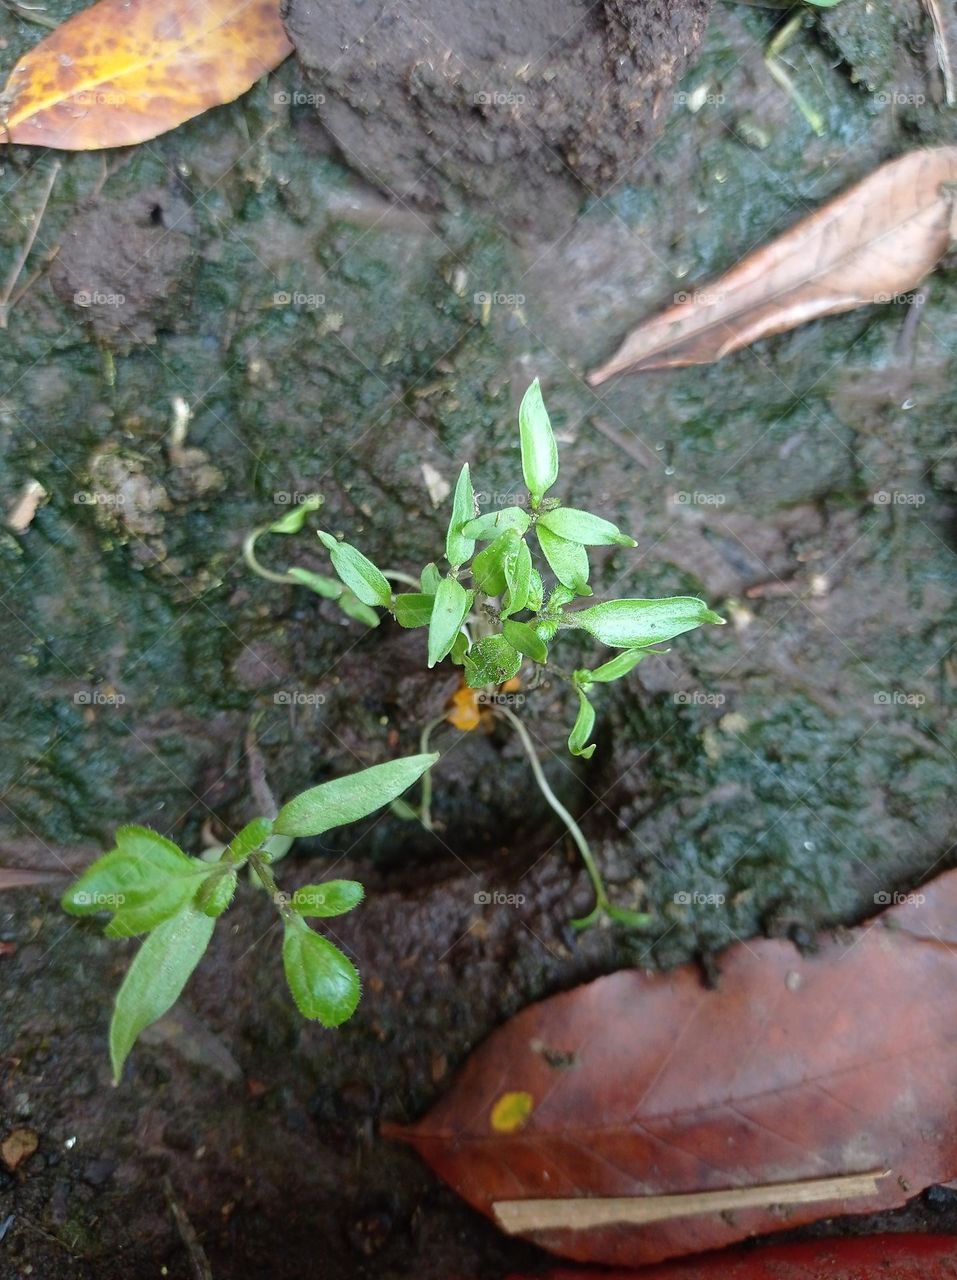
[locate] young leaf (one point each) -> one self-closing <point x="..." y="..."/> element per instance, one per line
<point x="156" y="977"/>
<point x="526" y="640"/>
<point x="460" y="548"/>
<point x="583" y="527"/>
<point x="631" y="624"/>
<point x="615" y="668"/>
<point x="567" y="560"/>
<point x="459" y="649"/>
<point x="295" y="517"/>
<point x="430" y="579"/>
<point x="324" y="983"/>
<point x="358" y="572"/>
<point x="216" y="893"/>
<point x="518" y="575"/>
<point x="489" y="526"/>
<point x="354" y="608"/>
<point x="582" y="728"/>
<point x="328" y="588"/>
<point x="142" y="862"/>
<point x="539" y="450"/>
<point x="333" y="804"/>
<point x="247" y="840"/>
<point x="491" y="661"/>
<point x="331" y="898"/>
<point x="147" y="906"/>
<point x="536" y="591"/>
<point x="488" y="572"/>
<point x="452" y="603"/>
<point x="413" y="609"/>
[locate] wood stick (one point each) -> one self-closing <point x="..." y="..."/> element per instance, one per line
<point x="521" y="1216"/>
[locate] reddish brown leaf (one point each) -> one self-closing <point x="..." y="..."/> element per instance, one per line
<point x="903" y="1257"/>
<point x="124" y="71"/>
<point x="797" y="1068"/>
<point x="871" y="244"/>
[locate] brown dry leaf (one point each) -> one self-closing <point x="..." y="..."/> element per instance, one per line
<point x="614" y="1123"/>
<point x="124" y="71"/>
<point x="18" y="1146"/>
<point x="871" y="244"/>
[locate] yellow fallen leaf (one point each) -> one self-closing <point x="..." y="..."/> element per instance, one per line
<point x="124" y="71"/>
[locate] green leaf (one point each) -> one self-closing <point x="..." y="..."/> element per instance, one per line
<point x="459" y="547"/>
<point x="518" y="575"/>
<point x="536" y="591"/>
<point x="430" y="579"/>
<point x="145" y="908"/>
<point x="452" y="603"/>
<point x="539" y="450"/>
<point x="583" y="527"/>
<point x="491" y="660"/>
<point x="495" y="522"/>
<point x="247" y="840"/>
<point x="631" y="624"/>
<point x="354" y="608"/>
<point x="488" y="572"/>
<point x="295" y="517"/>
<point x="526" y="640"/>
<point x="324" y="983"/>
<point x="216" y="894"/>
<point x="357" y="571"/>
<point x="331" y="898"/>
<point x="582" y="728"/>
<point x="413" y="609"/>
<point x="567" y="560"/>
<point x="156" y="977"/>
<point x="459" y="649"/>
<point x="333" y="804"/>
<point x="142" y="861"/>
<point x="328" y="588"/>
<point x="616" y="667"/>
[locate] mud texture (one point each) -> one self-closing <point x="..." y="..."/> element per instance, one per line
<point x="516" y="106"/>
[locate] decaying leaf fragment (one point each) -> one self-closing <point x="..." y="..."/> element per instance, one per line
<point x="898" y="1257"/>
<point x="873" y="243"/>
<point x="804" y="1086"/>
<point x="124" y="71"/>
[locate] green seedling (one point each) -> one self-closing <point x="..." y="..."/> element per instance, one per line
<point x="512" y="587"/>
<point x="152" y="888"/>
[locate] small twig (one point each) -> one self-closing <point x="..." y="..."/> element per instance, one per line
<point x="425" y="807"/>
<point x="199" y="1263"/>
<point x="942" y="47"/>
<point x="19" y="264"/>
<point x="521" y="1216"/>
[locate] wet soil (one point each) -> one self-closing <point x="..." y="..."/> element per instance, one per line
<point x="444" y="101"/>
<point x="326" y="337"/>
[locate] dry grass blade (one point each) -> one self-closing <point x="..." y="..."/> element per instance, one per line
<point x="869" y="245"/>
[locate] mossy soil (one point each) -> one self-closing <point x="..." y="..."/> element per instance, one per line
<point x="797" y="763"/>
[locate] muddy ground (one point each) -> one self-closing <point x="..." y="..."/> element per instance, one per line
<point x="326" y="337"/>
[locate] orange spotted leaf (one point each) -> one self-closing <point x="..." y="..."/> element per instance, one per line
<point x="124" y="71"/>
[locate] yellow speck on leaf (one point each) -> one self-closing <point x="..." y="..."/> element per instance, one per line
<point x="511" y="1112"/>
